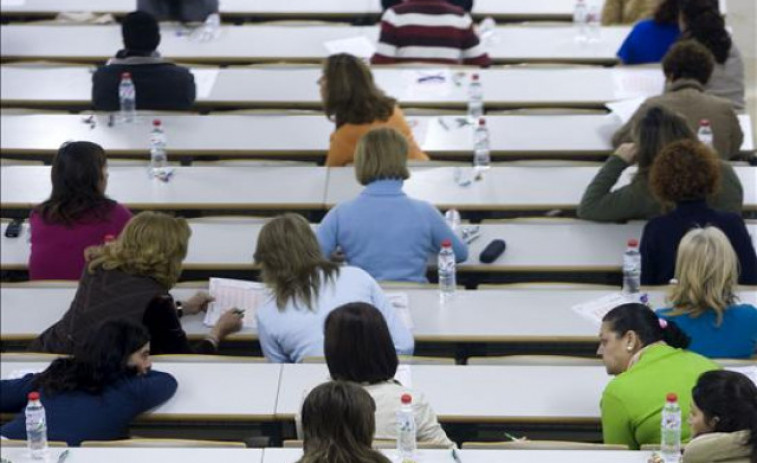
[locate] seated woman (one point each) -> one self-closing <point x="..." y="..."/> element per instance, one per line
<point x="304" y="287"/>
<point x="646" y="356"/>
<point x="77" y="214"/>
<point x="657" y="128"/>
<point x="352" y="100"/>
<point x="382" y="231"/>
<point x="651" y="38"/>
<point x="703" y="301"/>
<point x="129" y="278"/>
<point x="684" y="174"/>
<point x="96" y="393"/>
<point x="701" y="20"/>
<point x="359" y="348"/>
<point x="337" y="418"/>
<point x="723" y="419"/>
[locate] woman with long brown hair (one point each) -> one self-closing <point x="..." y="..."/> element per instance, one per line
<point x="356" y="105"/>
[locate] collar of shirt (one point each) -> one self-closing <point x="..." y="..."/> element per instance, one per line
<point x="384" y="187"/>
<point x="681" y="84"/>
<point x="689" y="207"/>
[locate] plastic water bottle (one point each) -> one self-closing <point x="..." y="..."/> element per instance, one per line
<point x="704" y="134"/>
<point x="579" y="21"/>
<point x="158" y="156"/>
<point x="475" y="98"/>
<point x="406" y="438"/>
<point x="481" y="158"/>
<point x="36" y="427"/>
<point x="446" y="266"/>
<point x="632" y="268"/>
<point x="452" y="217"/>
<point x="593" y="24"/>
<point x="670" y="430"/>
<point x="127" y="98"/>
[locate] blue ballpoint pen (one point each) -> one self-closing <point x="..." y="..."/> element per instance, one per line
<point x="62" y="457"/>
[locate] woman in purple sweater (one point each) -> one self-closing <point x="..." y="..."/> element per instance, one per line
<point x="76" y="216"/>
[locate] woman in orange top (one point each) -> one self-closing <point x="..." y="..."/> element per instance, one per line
<point x="352" y="100"/>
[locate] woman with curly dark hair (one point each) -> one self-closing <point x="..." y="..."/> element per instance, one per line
<point x="684" y="174"/>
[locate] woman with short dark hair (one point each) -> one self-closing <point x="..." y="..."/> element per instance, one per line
<point x="97" y="392"/>
<point x="647" y="357"/>
<point x="77" y="214"/>
<point x="359" y="348"/>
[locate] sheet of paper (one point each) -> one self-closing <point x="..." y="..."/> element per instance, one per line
<point x="230" y="294"/>
<point x="633" y="82"/>
<point x="625" y="109"/>
<point x="205" y="79"/>
<point x="357" y="46"/>
<point x="596" y="309"/>
<point x="750" y="371"/>
<point x="404" y="376"/>
<point x="401" y="303"/>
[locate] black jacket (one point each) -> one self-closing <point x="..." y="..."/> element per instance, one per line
<point x="159" y="85"/>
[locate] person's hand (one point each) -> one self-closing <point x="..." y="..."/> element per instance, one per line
<point x="228" y="323"/>
<point x="197" y="303"/>
<point x="338" y="256"/>
<point x="626" y="152"/>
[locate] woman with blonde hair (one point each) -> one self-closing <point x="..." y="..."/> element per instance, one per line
<point x="128" y="279"/>
<point x="703" y="302"/>
<point x="356" y="105"/>
<point x="304" y="287"/>
<point x="383" y="231"/>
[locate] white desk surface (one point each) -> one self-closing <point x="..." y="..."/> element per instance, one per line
<point x="495" y="456"/>
<point x="533" y="9"/>
<point x="296" y="86"/>
<point x="207" y="391"/>
<point x="294" y="43"/>
<point x="130" y="455"/>
<point x="232" y="135"/>
<point x="504" y="188"/>
<point x="484" y="315"/>
<point x="472" y="393"/>
<point x="189" y="188"/>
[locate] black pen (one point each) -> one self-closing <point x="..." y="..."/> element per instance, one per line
<point x="456" y="456"/>
<point x="62" y="457"/>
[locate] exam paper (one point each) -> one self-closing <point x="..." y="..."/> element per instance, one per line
<point x="401" y="303"/>
<point x="205" y="79"/>
<point x="230" y="294"/>
<point x="596" y="309"/>
<point x="356" y="46"/>
<point x="625" y="109"/>
<point x="632" y="82"/>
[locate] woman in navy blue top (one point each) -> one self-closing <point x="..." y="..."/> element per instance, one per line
<point x="685" y="173"/>
<point x="703" y="301"/>
<point x="95" y="394"/>
<point x="650" y="39"/>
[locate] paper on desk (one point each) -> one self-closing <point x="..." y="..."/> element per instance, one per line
<point x="750" y="371"/>
<point x="633" y="82"/>
<point x="230" y="294"/>
<point x="404" y="376"/>
<point x="401" y="303"/>
<point x="625" y="109"/>
<point x="596" y="309"/>
<point x="424" y="84"/>
<point x="419" y="128"/>
<point x="205" y="79"/>
<point x="358" y="46"/>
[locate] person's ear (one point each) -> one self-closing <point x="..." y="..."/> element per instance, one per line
<point x="631" y="341"/>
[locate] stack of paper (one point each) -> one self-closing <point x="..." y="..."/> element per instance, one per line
<point x="234" y="294"/>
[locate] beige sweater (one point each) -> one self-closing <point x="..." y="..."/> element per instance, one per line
<point x="718" y="447"/>
<point x="627" y="11"/>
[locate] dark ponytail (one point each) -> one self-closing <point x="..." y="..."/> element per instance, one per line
<point x="643" y="321"/>
<point x="706" y="25"/>
<point x="731" y="398"/>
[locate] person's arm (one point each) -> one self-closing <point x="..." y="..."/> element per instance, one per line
<point x="612" y="12"/>
<point x="473" y="52"/>
<point x="730" y="198"/>
<point x="649" y="274"/>
<point x="162" y="321"/>
<point x="268" y="344"/>
<point x="429" y="429"/>
<point x="616" y="422"/>
<point x="401" y="335"/>
<point x="600" y="204"/>
<point x="386" y="47"/>
<point x="14" y="393"/>
<point x="341" y="151"/>
<point x="191" y="89"/>
<point x="440" y="231"/>
<point x="627" y="51"/>
<point x="327" y="232"/>
<point x="152" y="389"/>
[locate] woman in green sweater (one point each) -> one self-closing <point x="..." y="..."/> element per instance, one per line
<point x="647" y="357"/>
<point x="655" y="130"/>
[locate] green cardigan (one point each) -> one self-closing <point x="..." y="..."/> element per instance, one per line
<point x="632" y="402"/>
<point x="635" y="202"/>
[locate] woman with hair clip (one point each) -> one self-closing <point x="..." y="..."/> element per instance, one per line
<point x="656" y="128"/>
<point x="356" y="105"/>
<point x="129" y="278"/>
<point x="651" y="38"/>
<point x="337" y="419"/>
<point x="359" y="348"/>
<point x="723" y="419"/>
<point x="304" y="287"/>
<point x="77" y="214"/>
<point x="703" y="300"/>
<point x="701" y="20"/>
<point x="97" y="392"/>
<point x="647" y="357"/>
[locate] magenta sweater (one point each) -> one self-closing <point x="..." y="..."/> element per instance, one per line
<point x="57" y="251"/>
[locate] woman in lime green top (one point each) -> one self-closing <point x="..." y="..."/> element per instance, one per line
<point x="647" y="358"/>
